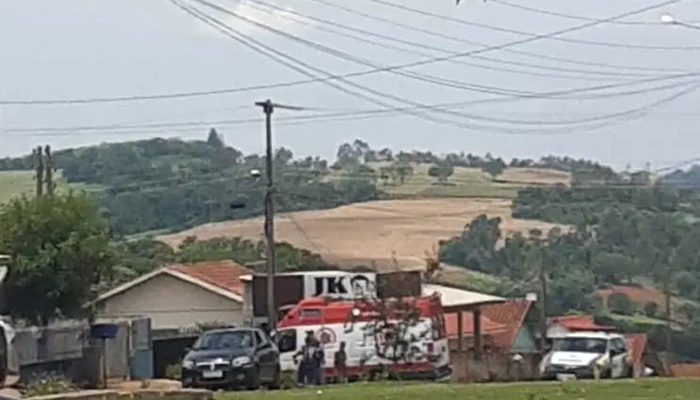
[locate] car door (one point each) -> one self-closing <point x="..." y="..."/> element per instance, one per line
<point x="618" y="358"/>
<point x="266" y="355"/>
<point x="288" y="343"/>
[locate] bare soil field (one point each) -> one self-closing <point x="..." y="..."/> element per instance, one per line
<point x="374" y="233"/>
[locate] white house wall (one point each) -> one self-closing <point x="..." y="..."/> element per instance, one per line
<point x="172" y="303"/>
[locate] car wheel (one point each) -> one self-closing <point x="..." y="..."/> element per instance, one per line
<point x="276" y="379"/>
<point x="253" y="381"/>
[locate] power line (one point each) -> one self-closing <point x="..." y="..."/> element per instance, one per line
<point x="557" y="38"/>
<point x="375" y="92"/>
<point x="566" y="16"/>
<point x="126" y="129"/>
<point x="286" y="15"/>
<point x="484" y="45"/>
<point x="134" y="98"/>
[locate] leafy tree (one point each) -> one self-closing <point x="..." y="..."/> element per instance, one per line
<point x="494" y="168"/>
<point x="619" y="303"/>
<point x="403" y="171"/>
<point x="60" y="252"/>
<point x="441" y="171"/>
<point x="214" y="140"/>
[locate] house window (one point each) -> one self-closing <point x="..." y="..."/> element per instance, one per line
<point x="286" y="340"/>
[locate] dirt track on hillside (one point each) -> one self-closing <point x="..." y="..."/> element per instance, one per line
<point x="374" y="232"/>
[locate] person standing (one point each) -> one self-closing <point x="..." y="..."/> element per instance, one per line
<point x="306" y="372"/>
<point x="340" y="359"/>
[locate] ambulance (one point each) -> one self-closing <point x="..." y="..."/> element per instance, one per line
<point x="365" y="328"/>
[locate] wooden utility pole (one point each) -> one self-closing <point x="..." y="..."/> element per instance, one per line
<point x="50" y="185"/>
<point x="669" y="322"/>
<point x="543" y="302"/>
<point x="268" y="108"/>
<point x="39" y="156"/>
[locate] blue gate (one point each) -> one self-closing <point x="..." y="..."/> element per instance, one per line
<point x="141" y="355"/>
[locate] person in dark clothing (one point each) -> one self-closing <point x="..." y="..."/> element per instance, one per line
<point x="320" y="358"/>
<point x="307" y="370"/>
<point x="340" y="360"/>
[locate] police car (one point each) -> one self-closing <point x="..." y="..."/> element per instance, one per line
<point x="588" y="355"/>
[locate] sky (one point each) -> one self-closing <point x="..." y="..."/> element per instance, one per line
<point x="76" y="49"/>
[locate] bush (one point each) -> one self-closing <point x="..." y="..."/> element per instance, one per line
<point x="619" y="303"/>
<point x="49" y="385"/>
<point x="288" y="380"/>
<point x="173" y="371"/>
<point x="651" y="309"/>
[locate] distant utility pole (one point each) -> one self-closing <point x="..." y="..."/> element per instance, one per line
<point x="50" y="185"/>
<point x="39" y="156"/>
<point x="543" y="302"/>
<point x="268" y="108"/>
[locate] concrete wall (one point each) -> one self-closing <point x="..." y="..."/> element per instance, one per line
<point x="172" y="303"/>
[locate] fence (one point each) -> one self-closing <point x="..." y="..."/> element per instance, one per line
<point x="58" y="342"/>
<point x="66" y="349"/>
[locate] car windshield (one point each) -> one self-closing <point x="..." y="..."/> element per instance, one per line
<point x="224" y="340"/>
<point x="582" y="345"/>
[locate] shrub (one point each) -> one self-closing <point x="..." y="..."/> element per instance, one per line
<point x="49" y="385"/>
<point x="619" y="303"/>
<point x="651" y="309"/>
<point x="173" y="371"/>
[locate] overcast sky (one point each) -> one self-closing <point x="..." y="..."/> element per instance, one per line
<point x="58" y="49"/>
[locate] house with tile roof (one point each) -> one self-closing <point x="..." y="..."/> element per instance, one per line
<point x="506" y="326"/>
<point x="179" y="296"/>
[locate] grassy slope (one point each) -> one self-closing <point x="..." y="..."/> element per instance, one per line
<point x="17" y="183"/>
<point x="468" y="182"/>
<point x="649" y="389"/>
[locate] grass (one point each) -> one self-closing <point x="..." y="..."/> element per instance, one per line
<point x="647" y="389"/>
<point x="465" y="182"/>
<point x="17" y="183"/>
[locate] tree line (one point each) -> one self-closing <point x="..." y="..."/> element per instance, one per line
<point x="170" y="184"/>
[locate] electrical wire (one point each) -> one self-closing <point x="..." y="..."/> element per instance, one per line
<point x="557" y="38"/>
<point x="422" y="77"/>
<point x="121" y="129"/>
<point x="285" y="60"/>
<point x="566" y="16"/>
<point x="134" y="98"/>
<point x="349" y="116"/>
<point x="285" y="14"/>
<point x="456" y="39"/>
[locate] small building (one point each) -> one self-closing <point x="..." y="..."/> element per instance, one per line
<point x="180" y="296"/>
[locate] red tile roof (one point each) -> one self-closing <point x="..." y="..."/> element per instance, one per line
<point x="637" y="343"/>
<point x="578" y="323"/>
<point x="685" y="370"/>
<point x="488" y="327"/>
<point x="512" y="315"/>
<point x="222" y="274"/>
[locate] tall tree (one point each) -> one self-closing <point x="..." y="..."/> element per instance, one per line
<point x="59" y="249"/>
<point x="214" y="139"/>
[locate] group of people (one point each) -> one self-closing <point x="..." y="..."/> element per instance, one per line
<point x="313" y="357"/>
